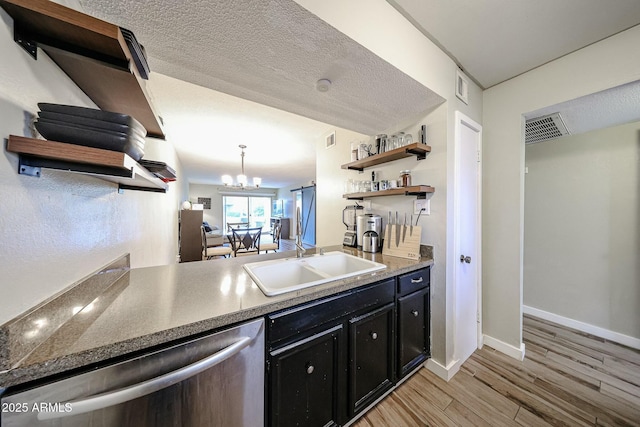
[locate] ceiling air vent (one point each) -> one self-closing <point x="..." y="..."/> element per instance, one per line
<point x="544" y="128"/>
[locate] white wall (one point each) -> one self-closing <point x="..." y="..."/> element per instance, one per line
<point x="410" y="51"/>
<point x="603" y="65"/>
<point x="581" y="235"/>
<point x="58" y="228"/>
<point x="330" y="188"/>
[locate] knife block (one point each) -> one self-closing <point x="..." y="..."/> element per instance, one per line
<point x="409" y="248"/>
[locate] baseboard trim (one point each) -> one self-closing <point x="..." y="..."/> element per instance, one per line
<point x="584" y="327"/>
<point x="503" y="347"/>
<point x="444" y="372"/>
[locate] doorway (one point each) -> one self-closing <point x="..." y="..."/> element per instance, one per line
<point x="467" y="240"/>
<point x="305" y="200"/>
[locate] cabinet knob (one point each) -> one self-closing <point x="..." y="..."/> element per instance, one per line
<point x="466" y="259"/>
<point x="415" y="313"/>
<point x="374" y="335"/>
<point x="309" y="368"/>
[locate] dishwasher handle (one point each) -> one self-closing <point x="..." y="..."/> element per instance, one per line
<point x="126" y="394"/>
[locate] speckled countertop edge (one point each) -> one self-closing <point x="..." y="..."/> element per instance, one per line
<point x="26" y="372"/>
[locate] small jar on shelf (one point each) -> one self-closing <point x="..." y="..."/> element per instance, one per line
<point x="405" y="178"/>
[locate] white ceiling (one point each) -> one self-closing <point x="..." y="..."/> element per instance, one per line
<point x="272" y="53"/>
<point x="495" y="40"/>
<point x="207" y="126"/>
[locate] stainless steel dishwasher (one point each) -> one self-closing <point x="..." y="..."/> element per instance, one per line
<point x="215" y="380"/>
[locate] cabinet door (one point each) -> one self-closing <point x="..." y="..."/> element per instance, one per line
<point x="413" y="330"/>
<point x="371" y="357"/>
<point x="306" y="381"/>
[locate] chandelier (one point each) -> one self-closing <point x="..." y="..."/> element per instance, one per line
<point x="242" y="183"/>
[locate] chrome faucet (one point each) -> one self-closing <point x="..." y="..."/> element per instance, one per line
<point x="300" y="250"/>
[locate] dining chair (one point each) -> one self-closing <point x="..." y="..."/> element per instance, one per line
<point x="245" y="241"/>
<point x="266" y="247"/>
<point x="208" y="252"/>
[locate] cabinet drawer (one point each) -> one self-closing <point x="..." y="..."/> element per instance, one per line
<point x="292" y="322"/>
<point x="411" y="282"/>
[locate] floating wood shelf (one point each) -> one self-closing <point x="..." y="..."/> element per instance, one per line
<point x="420" y="191"/>
<point x="92" y="52"/>
<point x="416" y="149"/>
<point x="112" y="166"/>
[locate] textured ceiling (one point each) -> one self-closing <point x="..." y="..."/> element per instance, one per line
<point x="269" y="52"/>
<point x="612" y="107"/>
<point x="495" y="40"/>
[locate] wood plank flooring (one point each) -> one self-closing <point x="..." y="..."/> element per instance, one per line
<point x="568" y="378"/>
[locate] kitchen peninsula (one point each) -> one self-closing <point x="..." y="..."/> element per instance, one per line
<point x="120" y="311"/>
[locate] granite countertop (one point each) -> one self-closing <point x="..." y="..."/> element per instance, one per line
<point x="131" y="310"/>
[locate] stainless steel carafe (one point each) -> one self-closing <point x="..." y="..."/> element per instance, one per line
<point x="370" y="241"/>
<point x="369" y="232"/>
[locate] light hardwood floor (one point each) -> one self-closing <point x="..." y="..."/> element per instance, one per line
<point x="568" y="378"/>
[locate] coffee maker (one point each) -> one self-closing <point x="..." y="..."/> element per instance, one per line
<point x="369" y="232"/>
<point x="349" y="215"/>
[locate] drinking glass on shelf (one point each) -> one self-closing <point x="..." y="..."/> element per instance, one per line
<point x="408" y="139"/>
<point x="394" y="142"/>
<point x="348" y="186"/>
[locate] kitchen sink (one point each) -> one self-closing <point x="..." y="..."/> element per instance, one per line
<point x="278" y="276"/>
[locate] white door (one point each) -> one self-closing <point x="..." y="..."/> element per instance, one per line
<point x="468" y="140"/>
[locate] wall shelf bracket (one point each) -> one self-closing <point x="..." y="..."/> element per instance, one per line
<point x="25" y="41"/>
<point x="419" y="153"/>
<point x="26" y="168"/>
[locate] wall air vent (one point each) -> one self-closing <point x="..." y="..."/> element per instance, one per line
<point x="544" y="128"/>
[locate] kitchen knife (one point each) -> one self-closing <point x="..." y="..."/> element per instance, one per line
<point x="397" y="230"/>
<point x="389" y="233"/>
<point x="411" y="226"/>
<point x="404" y="228"/>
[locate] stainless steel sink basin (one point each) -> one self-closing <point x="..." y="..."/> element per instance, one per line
<point x="278" y="276"/>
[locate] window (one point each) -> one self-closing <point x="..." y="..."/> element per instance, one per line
<point x="254" y="210"/>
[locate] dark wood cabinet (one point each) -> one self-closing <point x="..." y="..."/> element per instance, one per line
<point x="413" y="331"/>
<point x="306" y="381"/>
<point x="371" y="342"/>
<point x="312" y="364"/>
<point x="329" y="359"/>
<point x="189" y="235"/>
<point x="413" y="320"/>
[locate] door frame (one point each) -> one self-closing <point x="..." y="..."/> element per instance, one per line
<point x="462" y="120"/>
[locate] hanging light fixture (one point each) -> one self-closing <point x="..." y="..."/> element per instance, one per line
<point x="242" y="183"/>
